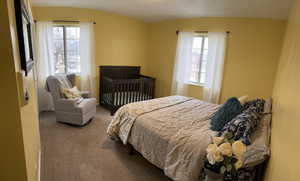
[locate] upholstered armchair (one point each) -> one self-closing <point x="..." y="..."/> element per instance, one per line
<point x="70" y="111"/>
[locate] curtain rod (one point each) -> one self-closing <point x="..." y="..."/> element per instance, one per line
<point x="66" y="21"/>
<point x="177" y="31"/>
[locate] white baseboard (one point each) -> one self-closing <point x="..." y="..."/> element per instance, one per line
<point x="39" y="166"/>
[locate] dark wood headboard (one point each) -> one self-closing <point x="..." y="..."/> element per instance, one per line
<point x="120" y="72"/>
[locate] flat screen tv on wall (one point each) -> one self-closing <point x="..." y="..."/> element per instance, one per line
<point x="24" y="24"/>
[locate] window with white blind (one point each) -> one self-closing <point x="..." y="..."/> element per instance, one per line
<point x="66" y="49"/>
<point x="199" y="59"/>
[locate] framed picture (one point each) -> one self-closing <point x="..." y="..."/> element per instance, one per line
<point x="24" y="31"/>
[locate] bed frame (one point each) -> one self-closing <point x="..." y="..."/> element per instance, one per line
<point x="259" y="174"/>
<point x="120" y="85"/>
<point x="261" y="170"/>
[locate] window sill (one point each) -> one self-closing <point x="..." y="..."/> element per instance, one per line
<point x="76" y="74"/>
<point x="195" y="84"/>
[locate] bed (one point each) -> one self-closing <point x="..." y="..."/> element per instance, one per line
<point x="171" y="132"/>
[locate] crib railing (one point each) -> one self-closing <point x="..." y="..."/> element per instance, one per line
<point x="118" y="92"/>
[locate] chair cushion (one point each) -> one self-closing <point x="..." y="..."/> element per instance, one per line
<point x="54" y="84"/>
<point x="64" y="81"/>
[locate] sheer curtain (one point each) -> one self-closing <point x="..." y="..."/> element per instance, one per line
<point x="87" y="58"/>
<point x="44" y="63"/>
<point x="215" y="66"/>
<point x="182" y="63"/>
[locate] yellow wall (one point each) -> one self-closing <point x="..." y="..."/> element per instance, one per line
<point x="120" y="40"/>
<point x="12" y="158"/>
<point x="26" y="128"/>
<point x="253" y="51"/>
<point x="284" y="163"/>
<point x="253" y="48"/>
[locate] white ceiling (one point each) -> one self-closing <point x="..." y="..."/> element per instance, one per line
<point x="153" y="10"/>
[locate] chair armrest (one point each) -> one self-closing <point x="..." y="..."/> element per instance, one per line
<point x="64" y="104"/>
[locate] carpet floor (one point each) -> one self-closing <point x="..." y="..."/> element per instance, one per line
<point x="88" y="154"/>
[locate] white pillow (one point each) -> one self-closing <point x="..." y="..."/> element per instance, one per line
<point x="243" y="99"/>
<point x="259" y="150"/>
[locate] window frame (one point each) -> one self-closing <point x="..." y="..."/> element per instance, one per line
<point x="64" y="26"/>
<point x="204" y="36"/>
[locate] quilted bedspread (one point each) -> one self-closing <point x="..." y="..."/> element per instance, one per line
<point x="171" y="132"/>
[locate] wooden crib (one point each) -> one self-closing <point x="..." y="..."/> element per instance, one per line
<point x="120" y="85"/>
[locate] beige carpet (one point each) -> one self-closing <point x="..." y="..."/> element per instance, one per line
<point x="87" y="154"/>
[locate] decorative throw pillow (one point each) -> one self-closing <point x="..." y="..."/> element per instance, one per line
<point x="72" y="93"/>
<point x="230" y="109"/>
<point x="244" y="124"/>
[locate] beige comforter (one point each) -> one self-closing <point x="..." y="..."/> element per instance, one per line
<point x="171" y="132"/>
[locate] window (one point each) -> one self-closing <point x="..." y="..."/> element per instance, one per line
<point x="66" y="49"/>
<point x="199" y="59"/>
